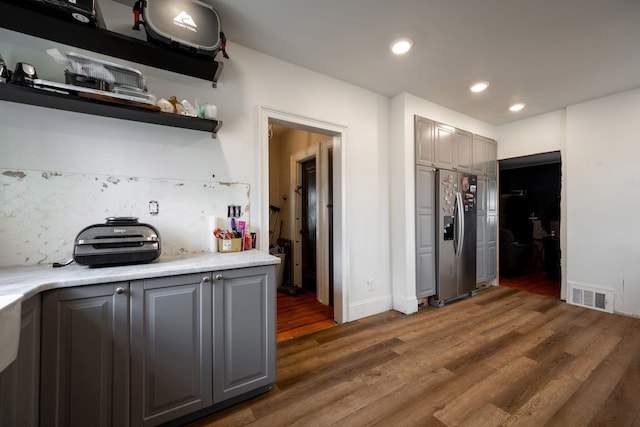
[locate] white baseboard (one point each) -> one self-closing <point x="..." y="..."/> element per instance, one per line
<point x="369" y="307"/>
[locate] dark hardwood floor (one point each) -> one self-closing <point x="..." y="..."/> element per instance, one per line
<point x="301" y="314"/>
<point x="535" y="281"/>
<point x="502" y="357"/>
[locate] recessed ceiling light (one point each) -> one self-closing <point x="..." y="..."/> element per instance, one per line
<point x="479" y="87"/>
<point x="516" y="107"/>
<point x="402" y="45"/>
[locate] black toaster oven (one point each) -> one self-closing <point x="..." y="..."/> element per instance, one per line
<point x="119" y="241"/>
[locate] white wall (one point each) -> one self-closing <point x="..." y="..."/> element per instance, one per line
<point x="603" y="197"/>
<point x="539" y="134"/>
<point x="37" y="139"/>
<point x="402" y="238"/>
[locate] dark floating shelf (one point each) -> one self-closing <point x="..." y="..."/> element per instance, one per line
<point x="48" y="99"/>
<point x="27" y="20"/>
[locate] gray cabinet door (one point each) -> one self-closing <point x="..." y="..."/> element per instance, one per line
<point x="423" y="129"/>
<point x="481" y="239"/>
<point x="463" y="144"/>
<point x="491" y="156"/>
<point x="170" y="348"/>
<point x="492" y="231"/>
<point x="20" y="381"/>
<point x="479" y="154"/>
<point x="425" y="232"/>
<point x="244" y="331"/>
<point x="443" y="146"/>
<point x="84" y="356"/>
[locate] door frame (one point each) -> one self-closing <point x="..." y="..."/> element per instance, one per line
<point x="338" y="134"/>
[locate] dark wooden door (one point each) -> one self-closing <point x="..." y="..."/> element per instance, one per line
<point x="309" y="225"/>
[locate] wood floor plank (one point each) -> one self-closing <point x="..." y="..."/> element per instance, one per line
<point x="365" y="406"/>
<point x="545" y="403"/>
<point x="592" y="356"/>
<point x="595" y="390"/>
<point x="480" y="352"/>
<point x="621" y="408"/>
<point x="516" y="394"/>
<point x="459" y="407"/>
<point x="411" y="409"/>
<point x="519" y="347"/>
<point x="487" y="416"/>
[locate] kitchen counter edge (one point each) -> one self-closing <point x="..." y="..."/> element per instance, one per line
<point x="32" y="280"/>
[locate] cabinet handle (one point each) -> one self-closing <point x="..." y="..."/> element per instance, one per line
<point x="219" y="277"/>
<point x="206" y="279"/>
<point x="120" y="291"/>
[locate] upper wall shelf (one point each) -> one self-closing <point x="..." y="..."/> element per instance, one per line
<point x="43" y="98"/>
<point x="40" y="25"/>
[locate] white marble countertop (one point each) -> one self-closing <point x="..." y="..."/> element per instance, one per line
<point x="29" y="281"/>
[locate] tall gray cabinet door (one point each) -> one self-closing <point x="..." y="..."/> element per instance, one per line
<point x="244" y="331"/>
<point x="424" y="129"/>
<point x="443" y="146"/>
<point x="481" y="239"/>
<point x="463" y="144"/>
<point x="425" y="232"/>
<point x="492" y="231"/>
<point x="170" y="347"/>
<point x="84" y="356"/>
<point x="20" y="381"/>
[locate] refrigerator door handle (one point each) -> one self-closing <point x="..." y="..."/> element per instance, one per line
<point x="459" y="223"/>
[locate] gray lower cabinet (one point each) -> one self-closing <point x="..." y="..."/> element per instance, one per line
<point x="20" y="381"/>
<point x="244" y="331"/>
<point x="171" y="369"/>
<point x="150" y="351"/>
<point x="84" y="380"/>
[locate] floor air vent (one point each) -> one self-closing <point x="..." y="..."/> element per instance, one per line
<point x="596" y="298"/>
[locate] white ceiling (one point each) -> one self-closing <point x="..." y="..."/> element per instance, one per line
<point x="548" y="54"/>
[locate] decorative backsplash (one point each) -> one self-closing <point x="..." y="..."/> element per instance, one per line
<point x="41" y="212"/>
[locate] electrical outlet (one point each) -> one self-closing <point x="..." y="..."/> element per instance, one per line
<point x="154" y="208"/>
<point x="370" y="285"/>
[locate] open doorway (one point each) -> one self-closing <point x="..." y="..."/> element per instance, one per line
<point x="301" y="188"/>
<point x="530" y="189"/>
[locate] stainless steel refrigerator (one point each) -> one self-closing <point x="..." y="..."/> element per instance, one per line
<point x="456" y="205"/>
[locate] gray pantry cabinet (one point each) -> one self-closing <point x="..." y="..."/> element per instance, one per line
<point x="440" y="146"/>
<point x="20" y="381"/>
<point x="191" y="342"/>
